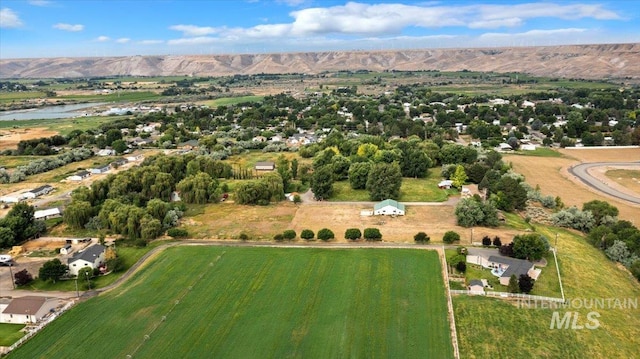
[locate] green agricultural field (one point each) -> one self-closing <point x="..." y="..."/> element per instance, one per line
<point x="63" y="125"/>
<point x="230" y="302"/>
<point x="227" y="101"/>
<point x="411" y="190"/>
<point x="10" y="333"/>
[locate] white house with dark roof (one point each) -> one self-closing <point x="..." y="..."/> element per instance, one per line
<point x="265" y="166"/>
<point x="504" y="267"/>
<point x="92" y="257"/>
<point x="79" y="176"/>
<point x="45" y="214"/>
<point x="29" y="309"/>
<point x="38" y="191"/>
<point x="389" y="207"/>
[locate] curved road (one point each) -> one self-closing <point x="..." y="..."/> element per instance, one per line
<point x="581" y="171"/>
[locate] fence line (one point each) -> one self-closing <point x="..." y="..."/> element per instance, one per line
<point x="454" y="331"/>
<point x="508" y="295"/>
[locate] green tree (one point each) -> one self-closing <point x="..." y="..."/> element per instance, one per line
<point x="372" y="234"/>
<point x="353" y="234"/>
<point x="119" y="146"/>
<point x="340" y="166"/>
<point x="199" y="188"/>
<point x="52" y="270"/>
<point x="358" y="174"/>
<point x="513" y="286"/>
<point x="421" y="237"/>
<point x="251" y="192"/>
<point x="294" y="168"/>
<point x="325" y="234"/>
<point x="289" y="234"/>
<point x="7" y="237"/>
<point x="77" y="214"/>
<point x="459" y="177"/>
<point x="510" y="194"/>
<point x="384" y="181"/>
<point x="307" y="234"/>
<point x="322" y="183"/>
<point x="532" y="246"/>
<point x="600" y="210"/>
<point x="525" y="283"/>
<point x="450" y="237"/>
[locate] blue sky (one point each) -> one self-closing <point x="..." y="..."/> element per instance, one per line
<point x="54" y="28"/>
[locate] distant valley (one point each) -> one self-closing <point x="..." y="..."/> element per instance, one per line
<point x="607" y="61"/>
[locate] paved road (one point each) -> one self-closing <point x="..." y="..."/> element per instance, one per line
<point x="581" y="172"/>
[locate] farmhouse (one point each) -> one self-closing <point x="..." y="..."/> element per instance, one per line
<point x="45" y="214"/>
<point x="92" y="257"/>
<point x="265" y="166"/>
<point x="79" y="176"/>
<point x="12" y="197"/>
<point x="119" y="162"/>
<point x="504" y="267"/>
<point x="29" y="309"/>
<point x="389" y="207"/>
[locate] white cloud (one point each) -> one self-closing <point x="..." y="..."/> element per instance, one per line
<point x="193" y="30"/>
<point x="69" y="27"/>
<point x="123" y="40"/>
<point x="9" y="19"/>
<point x="200" y="40"/>
<point x="150" y="42"/>
<point x="292" y="2"/>
<point x="102" y="38"/>
<point x="39" y="2"/>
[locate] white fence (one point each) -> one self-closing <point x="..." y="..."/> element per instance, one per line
<point x="39" y="327"/>
<point x="533" y="298"/>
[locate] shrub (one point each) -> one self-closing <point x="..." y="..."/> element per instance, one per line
<point x="307" y="234"/>
<point x="497" y="242"/>
<point x="326" y="234"/>
<point x="372" y="234"/>
<point x="23" y="277"/>
<point x="244" y="236"/>
<point x="462" y="250"/>
<point x="297" y="199"/>
<point x="451" y="237"/>
<point x="141" y="243"/>
<point x="278" y="237"/>
<point x="352" y="234"/>
<point x="525" y="283"/>
<point x="289" y="234"/>
<point x="177" y="233"/>
<point x="461" y="266"/>
<point x="421" y="237"/>
<point x="486" y="241"/>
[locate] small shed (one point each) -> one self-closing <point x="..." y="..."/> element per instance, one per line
<point x="389" y="207"/>
<point x="265" y="166"/>
<point x="66" y="249"/>
<point x="445" y="184"/>
<point x="475" y="285"/>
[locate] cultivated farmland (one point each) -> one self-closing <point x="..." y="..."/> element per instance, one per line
<point x="228" y="302"/>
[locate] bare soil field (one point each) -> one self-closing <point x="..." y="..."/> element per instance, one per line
<point x="9" y="138"/>
<point x="553" y="178"/>
<point x="627" y="178"/>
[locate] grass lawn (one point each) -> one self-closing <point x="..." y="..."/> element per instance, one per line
<point x="411" y="190"/>
<point x="539" y="152"/>
<point x="627" y="178"/>
<point x="10" y="333"/>
<point x="495" y="328"/>
<point x="229" y="302"/>
<point x="63" y="125"/>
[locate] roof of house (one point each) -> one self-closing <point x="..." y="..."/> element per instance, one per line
<point x="25" y="305"/>
<point x="46" y="212"/>
<point x="89" y="254"/>
<point x="192" y="143"/>
<point x="67" y="246"/>
<point x="82" y="173"/>
<point x="517" y="266"/>
<point x="41" y="188"/>
<point x="474" y="282"/>
<point x="265" y="163"/>
<point x="389" y="202"/>
<point x="445" y="183"/>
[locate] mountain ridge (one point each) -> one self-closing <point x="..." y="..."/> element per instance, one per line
<point x="600" y="61"/>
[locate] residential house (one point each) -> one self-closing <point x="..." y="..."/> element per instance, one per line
<point x="106" y="152"/>
<point x="100" y="170"/>
<point x="134" y="158"/>
<point x="92" y="257"/>
<point x="79" y="176"/>
<point x="259" y="139"/>
<point x="389" y="207"/>
<point x="29" y="309"/>
<point x="45" y="214"/>
<point x="188" y="145"/>
<point x="119" y="162"/>
<point x="476" y="286"/>
<point x="37" y="192"/>
<point x="504" y="267"/>
<point x="265" y="166"/>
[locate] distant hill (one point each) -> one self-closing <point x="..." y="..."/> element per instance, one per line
<point x="571" y="61"/>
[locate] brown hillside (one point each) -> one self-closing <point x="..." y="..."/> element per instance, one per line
<point x="571" y="61"/>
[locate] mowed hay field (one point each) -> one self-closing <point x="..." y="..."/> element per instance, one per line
<point x="551" y="174"/>
<point x="231" y="302"/>
<point x="498" y="329"/>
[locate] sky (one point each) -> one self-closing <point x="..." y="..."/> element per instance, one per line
<point x="89" y="28"/>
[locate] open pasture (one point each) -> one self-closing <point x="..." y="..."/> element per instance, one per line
<point x="230" y="302"/>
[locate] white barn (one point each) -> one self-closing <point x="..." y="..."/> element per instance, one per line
<point x="389" y="207"/>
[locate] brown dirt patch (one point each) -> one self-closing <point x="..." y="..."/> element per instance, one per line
<point x="9" y="138"/>
<point x="551" y="175"/>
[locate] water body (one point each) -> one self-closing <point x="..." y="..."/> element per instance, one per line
<point x="48" y="112"/>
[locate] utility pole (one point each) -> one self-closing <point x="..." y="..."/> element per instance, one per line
<point x="77" y="293"/>
<point x="13" y="280"/>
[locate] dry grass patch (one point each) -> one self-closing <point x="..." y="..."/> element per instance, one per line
<point x="9" y="138"/>
<point x="609" y="154"/>
<point x="625" y="177"/>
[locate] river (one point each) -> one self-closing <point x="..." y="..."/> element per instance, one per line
<point x="48" y="112"/>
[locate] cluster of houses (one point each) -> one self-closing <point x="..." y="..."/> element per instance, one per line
<point x="82" y="174"/>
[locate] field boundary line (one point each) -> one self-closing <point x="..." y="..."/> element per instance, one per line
<point x="452" y="317"/>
